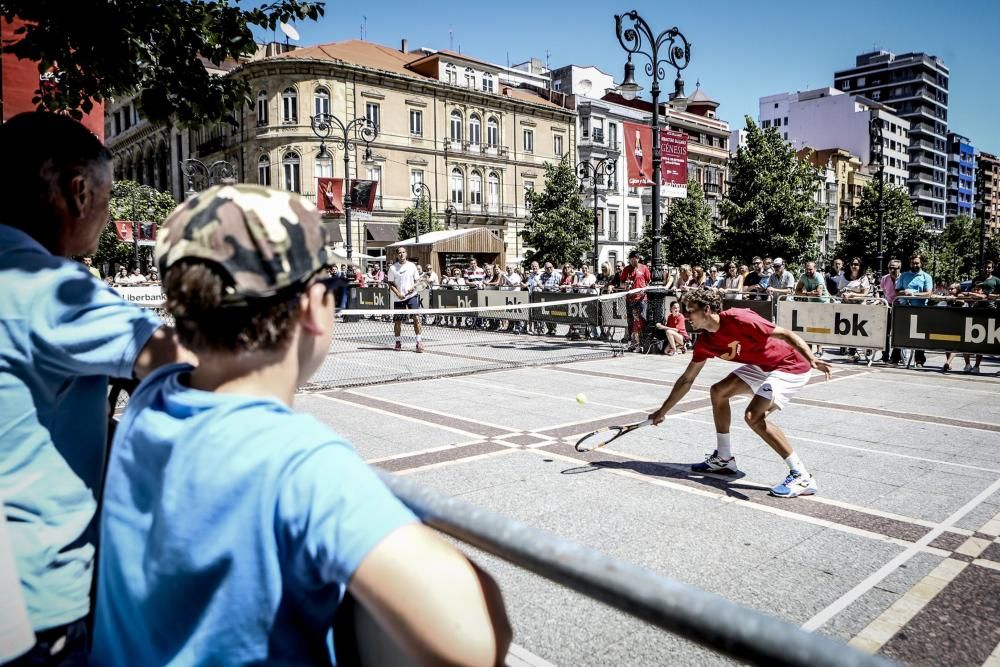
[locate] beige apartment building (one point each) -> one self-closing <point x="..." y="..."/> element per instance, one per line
<point x="445" y="119"/>
<point x="843" y="179"/>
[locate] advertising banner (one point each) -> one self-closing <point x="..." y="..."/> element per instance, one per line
<point x="973" y="330"/>
<point x="673" y="159"/>
<point x="764" y="308"/>
<point x="330" y="195"/>
<point x="488" y="297"/>
<point x="454" y="298"/>
<point x="147" y="232"/>
<point x="564" y="313"/>
<point x="369" y="298"/>
<point x="147" y="296"/>
<point x="841" y="324"/>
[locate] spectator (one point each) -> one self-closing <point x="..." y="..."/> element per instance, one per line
<point x="888" y="286"/>
<point x="431" y="276"/>
<point x="567" y="281"/>
<point x="588" y="283"/>
<point x="136" y="276"/>
<point x="635" y="276"/>
<point x="812" y="286"/>
<point x="835" y="276"/>
<point x="375" y="274"/>
<point x="66" y="332"/>
<point x="984" y="286"/>
<point x="616" y="278"/>
<point x="494" y="277"/>
<point x="732" y="282"/>
<point x="916" y="282"/>
<point x="755" y="282"/>
<point x="698" y="278"/>
<point x="856" y="284"/>
<point x="684" y="276"/>
<point x="122" y="277"/>
<point x="781" y="281"/>
<point x="675" y="331"/>
<point x="714" y="277"/>
<point x="154" y="275"/>
<point x="768" y="268"/>
<point x="604" y="277"/>
<point x="88" y="261"/>
<point x="511" y="280"/>
<point x="744" y="271"/>
<point x="670" y="278"/>
<point x="256" y="543"/>
<point x="474" y="275"/>
<point x="548" y="281"/>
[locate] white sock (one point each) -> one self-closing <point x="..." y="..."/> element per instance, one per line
<point x="418" y="338"/>
<point x="723" y="446"/>
<point x="398" y="339"/>
<point x="795" y="463"/>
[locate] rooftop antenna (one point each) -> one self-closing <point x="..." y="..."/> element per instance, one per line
<point x="290" y="32"/>
<point x="364" y="28"/>
<point x="451" y="39"/>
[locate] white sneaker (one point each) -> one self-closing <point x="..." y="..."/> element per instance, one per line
<point x="975" y="370"/>
<point x="716" y="465"/>
<point x="968" y="368"/>
<point x="796" y="484"/>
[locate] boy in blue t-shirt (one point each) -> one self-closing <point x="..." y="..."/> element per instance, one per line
<point x="231" y="524"/>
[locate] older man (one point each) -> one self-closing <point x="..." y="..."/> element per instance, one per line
<point x="65" y="333"/>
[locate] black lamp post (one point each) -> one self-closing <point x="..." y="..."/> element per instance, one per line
<point x="347" y="138"/>
<point x="419" y="189"/>
<point x="217" y="172"/>
<point x="877" y="159"/>
<point x="595" y="173"/>
<point x="678" y="56"/>
<point x="450" y="213"/>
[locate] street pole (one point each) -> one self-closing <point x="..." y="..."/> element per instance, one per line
<point x="678" y="56"/>
<point x="135" y="231"/>
<point x="422" y="190"/>
<point x="359" y="129"/>
<point x="876" y="157"/>
<point x="595" y="172"/>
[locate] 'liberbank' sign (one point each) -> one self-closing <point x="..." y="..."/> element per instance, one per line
<point x="949" y="328"/>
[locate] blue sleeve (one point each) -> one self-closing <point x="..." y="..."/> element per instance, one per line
<point x="332" y="510"/>
<point x="85" y="328"/>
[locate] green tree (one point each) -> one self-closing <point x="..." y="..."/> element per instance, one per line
<point x="687" y="236"/>
<point x="131" y="201"/>
<point x="956" y="250"/>
<point x="559" y="228"/>
<point x="153" y="46"/>
<point x="418" y="214"/>
<point x="904" y="231"/>
<point x="770" y="204"/>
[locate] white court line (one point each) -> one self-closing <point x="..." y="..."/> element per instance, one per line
<point x="468" y="459"/>
<point x="420" y="452"/>
<point x="439" y="413"/>
<point x="900" y="417"/>
<point x="851" y="596"/>
<point x="518" y="656"/>
<point x="943" y="387"/>
<point x="860" y="449"/>
<point x="548" y="395"/>
<point x="399" y="416"/>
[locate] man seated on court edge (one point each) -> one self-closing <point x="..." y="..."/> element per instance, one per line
<point x="231" y="524"/>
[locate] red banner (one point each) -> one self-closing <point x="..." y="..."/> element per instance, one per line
<point x="673" y="159"/>
<point x="147" y="232"/>
<point x="330" y="195"/>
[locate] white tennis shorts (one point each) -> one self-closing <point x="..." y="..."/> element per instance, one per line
<point x="776" y="386"/>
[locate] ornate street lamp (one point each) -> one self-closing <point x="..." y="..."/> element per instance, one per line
<point x="678" y="56"/>
<point x="877" y="159"/>
<point x="418" y="189"/>
<point x="347" y="138"/>
<point x="217" y="172"/>
<point x="595" y="173"/>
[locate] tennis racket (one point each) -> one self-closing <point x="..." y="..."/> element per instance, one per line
<point x="419" y="286"/>
<point x="603" y="436"/>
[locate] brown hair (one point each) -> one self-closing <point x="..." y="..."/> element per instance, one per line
<point x="704" y="297"/>
<point x="194" y="295"/>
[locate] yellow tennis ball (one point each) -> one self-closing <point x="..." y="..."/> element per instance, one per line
<point x="581" y="399"/>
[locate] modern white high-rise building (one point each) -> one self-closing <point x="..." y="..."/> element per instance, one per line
<point x="828" y="118"/>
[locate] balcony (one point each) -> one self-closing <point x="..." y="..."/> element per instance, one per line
<point x="711" y="188"/>
<point x="213" y="145"/>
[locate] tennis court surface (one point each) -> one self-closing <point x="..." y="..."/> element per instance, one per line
<point x="899" y="553"/>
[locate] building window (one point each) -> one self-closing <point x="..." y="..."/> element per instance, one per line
<point x="321" y="101"/>
<point x="529" y="141"/>
<point x="290" y="106"/>
<point x="290" y="165"/>
<point x="612" y="136"/>
<point x="451" y="74"/>
<point x="475" y="130"/>
<point x="557" y="145"/>
<point x="261" y="109"/>
<point x="416" y="122"/>
<point x="264" y="170"/>
<point x="492" y="132"/>
<point x="457" y="189"/>
<point x="470" y="78"/>
<point x="633" y="225"/>
<point x="613" y="225"/>
<point x="487" y="83"/>
<point x="416" y="179"/>
<point x="476" y="188"/>
<point x="456" y="126"/>
<point x="493" y="183"/>
<point x="373" y="112"/>
<point x="600" y="222"/>
<point x="375" y="174"/>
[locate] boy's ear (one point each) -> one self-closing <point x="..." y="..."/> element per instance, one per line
<point x="313" y="302"/>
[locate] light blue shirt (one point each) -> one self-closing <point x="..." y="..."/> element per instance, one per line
<point x="920" y="281"/>
<point x="231" y="526"/>
<point x="62" y="333"/>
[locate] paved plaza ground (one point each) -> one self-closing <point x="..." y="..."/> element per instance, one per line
<point x="899" y="553"/>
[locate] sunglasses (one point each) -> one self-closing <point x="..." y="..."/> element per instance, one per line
<point x="855" y="264"/>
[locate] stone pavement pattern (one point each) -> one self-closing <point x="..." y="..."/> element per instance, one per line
<point x="899" y="553"/>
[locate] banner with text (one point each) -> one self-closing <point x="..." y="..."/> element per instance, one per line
<point x="147" y="296"/>
<point x="973" y="330"/>
<point x="330" y="195"/>
<point x="842" y="324"/>
<point x="564" y="313"/>
<point x="673" y="159"/>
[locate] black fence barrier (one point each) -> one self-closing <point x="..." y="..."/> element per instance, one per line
<point x="454" y="298"/>
<point x="763" y="307"/>
<point x="586" y="313"/>
<point x="946" y="328"/>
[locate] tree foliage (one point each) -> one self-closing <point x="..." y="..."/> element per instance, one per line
<point x="770" y="204"/>
<point x="417" y="214"/>
<point x="131" y="201"/>
<point x="687" y="236"/>
<point x="152" y="46"/>
<point x="904" y="231"/>
<point x="954" y="255"/>
<point x="559" y="228"/>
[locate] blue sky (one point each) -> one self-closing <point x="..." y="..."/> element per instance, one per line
<point x="741" y="51"/>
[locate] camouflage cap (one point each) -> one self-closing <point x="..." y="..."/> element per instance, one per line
<point x="264" y="241"/>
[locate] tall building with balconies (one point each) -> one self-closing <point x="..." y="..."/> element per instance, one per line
<point x="961" y="176"/>
<point x="988" y="191"/>
<point x="915" y="85"/>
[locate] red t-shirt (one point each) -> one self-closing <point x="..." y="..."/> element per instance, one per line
<point x="745" y="338"/>
<point x="639" y="276"/>
<point x="678" y="322"/>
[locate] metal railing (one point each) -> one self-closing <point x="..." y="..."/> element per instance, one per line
<point x="708" y="619"/>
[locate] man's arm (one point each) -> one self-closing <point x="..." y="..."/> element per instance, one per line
<point x="161" y="349"/>
<point x="437" y="605"/>
<point x="802" y="348"/>
<point x="680" y="389"/>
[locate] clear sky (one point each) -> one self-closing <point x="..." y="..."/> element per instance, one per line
<point x="741" y="50"/>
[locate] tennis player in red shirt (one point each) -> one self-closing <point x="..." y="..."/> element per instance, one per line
<point x="776" y="363"/>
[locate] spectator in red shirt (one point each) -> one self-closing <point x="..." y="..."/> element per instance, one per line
<point x="776" y="364"/>
<point x="675" y="330"/>
<point x="635" y="276"/>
